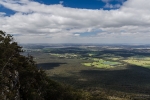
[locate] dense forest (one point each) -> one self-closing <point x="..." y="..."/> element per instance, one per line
<point x="20" y="79"/>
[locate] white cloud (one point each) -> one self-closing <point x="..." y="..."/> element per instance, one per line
<point x="106" y="1"/>
<point x="55" y="23"/>
<point x="2" y="14"/>
<point x="61" y="2"/>
<point x="112" y="6"/>
<point x="76" y="34"/>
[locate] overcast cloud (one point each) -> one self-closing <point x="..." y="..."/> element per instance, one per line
<point x="34" y="23"/>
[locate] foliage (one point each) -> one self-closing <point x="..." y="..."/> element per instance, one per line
<point x="21" y="79"/>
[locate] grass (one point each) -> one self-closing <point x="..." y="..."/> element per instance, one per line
<point x="115" y="58"/>
<point x="90" y="54"/>
<point x="139" y="62"/>
<point x="100" y="63"/>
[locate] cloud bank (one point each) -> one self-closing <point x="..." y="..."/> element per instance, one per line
<point x="34" y="22"/>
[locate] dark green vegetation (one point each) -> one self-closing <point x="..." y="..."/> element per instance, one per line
<point x="111" y="72"/>
<point x="20" y="79"/>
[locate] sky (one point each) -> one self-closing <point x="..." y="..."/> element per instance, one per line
<point x="76" y="21"/>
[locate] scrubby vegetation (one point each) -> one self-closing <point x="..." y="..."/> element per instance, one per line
<point x="20" y="79"/>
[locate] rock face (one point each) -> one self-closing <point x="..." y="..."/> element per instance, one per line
<point x="10" y="85"/>
<point x="9" y="74"/>
<point x="19" y="77"/>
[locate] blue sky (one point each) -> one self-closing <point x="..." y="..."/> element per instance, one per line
<point x="76" y="21"/>
<point x="83" y="4"/>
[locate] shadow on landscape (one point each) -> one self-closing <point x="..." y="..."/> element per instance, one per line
<point x="124" y="53"/>
<point x="48" y="66"/>
<point x="135" y="79"/>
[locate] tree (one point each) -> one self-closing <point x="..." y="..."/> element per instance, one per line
<point x="20" y="79"/>
<point x="9" y="51"/>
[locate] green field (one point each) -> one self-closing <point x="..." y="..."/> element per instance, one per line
<point x="112" y="74"/>
<point x="100" y="63"/>
<point x="143" y="62"/>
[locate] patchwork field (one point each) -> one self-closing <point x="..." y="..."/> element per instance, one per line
<point x="143" y="62"/>
<point x="100" y="63"/>
<point x="115" y="74"/>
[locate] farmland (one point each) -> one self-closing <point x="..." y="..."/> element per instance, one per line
<point x="100" y="63"/>
<point x="114" y="72"/>
<point x="144" y="61"/>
